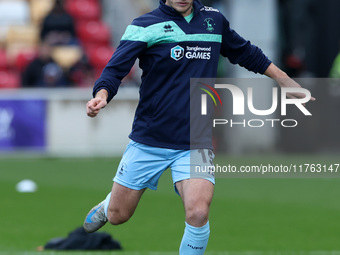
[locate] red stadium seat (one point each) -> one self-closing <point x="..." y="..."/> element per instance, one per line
<point x="99" y="57"/>
<point x="9" y="80"/>
<point x="84" y="9"/>
<point x="3" y="60"/>
<point x="94" y="33"/>
<point x="94" y="1"/>
<point x="23" y="58"/>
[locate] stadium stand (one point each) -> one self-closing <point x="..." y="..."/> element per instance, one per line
<point x="24" y="35"/>
<point x="66" y="56"/>
<point x="22" y="58"/>
<point x="9" y="80"/>
<point x="39" y="10"/>
<point x="99" y="56"/>
<point x="84" y="10"/>
<point x="12" y="12"/>
<point x="93" y="33"/>
<point x="21" y="23"/>
<point x="3" y="60"/>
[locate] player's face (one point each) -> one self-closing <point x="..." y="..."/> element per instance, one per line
<point x="184" y="7"/>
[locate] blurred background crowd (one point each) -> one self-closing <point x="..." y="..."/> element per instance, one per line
<point x="52" y="43"/>
<point x="66" y="43"/>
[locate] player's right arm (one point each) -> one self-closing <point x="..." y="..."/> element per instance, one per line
<point x="98" y="102"/>
<point x="130" y="48"/>
<point x="121" y="62"/>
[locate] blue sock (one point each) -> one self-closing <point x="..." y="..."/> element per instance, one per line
<point x="195" y="240"/>
<point x="106" y="204"/>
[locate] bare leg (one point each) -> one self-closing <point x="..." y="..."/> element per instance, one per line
<point x="196" y="195"/>
<point x="123" y="203"/>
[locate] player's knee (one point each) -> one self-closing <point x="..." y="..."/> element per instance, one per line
<point x="197" y="215"/>
<point x="117" y="217"/>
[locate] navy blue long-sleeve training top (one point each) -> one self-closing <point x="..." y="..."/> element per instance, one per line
<point x="171" y="51"/>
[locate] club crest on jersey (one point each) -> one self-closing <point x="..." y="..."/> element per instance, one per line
<point x="177" y="53"/>
<point x="209" y="22"/>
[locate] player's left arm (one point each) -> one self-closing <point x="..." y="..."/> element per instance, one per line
<point x="242" y="52"/>
<point x="284" y="80"/>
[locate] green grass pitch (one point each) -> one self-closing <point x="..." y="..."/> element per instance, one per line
<point x="248" y="216"/>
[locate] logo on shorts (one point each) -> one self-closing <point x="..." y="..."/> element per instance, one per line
<point x="177" y="53"/>
<point x="122" y="170"/>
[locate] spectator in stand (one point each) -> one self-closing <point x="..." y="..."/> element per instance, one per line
<point x="52" y="77"/>
<point x="43" y="71"/>
<point x="82" y="74"/>
<point x="58" y="27"/>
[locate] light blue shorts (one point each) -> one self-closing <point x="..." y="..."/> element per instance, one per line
<point x="141" y="165"/>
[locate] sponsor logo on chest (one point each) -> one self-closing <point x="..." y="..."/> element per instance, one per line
<point x="196" y="52"/>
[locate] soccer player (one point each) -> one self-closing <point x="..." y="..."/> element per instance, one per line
<point x="177" y="41"/>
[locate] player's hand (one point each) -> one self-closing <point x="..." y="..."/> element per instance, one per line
<point x="94" y="106"/>
<point x="99" y="102"/>
<point x="290" y="83"/>
<point x="284" y="81"/>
